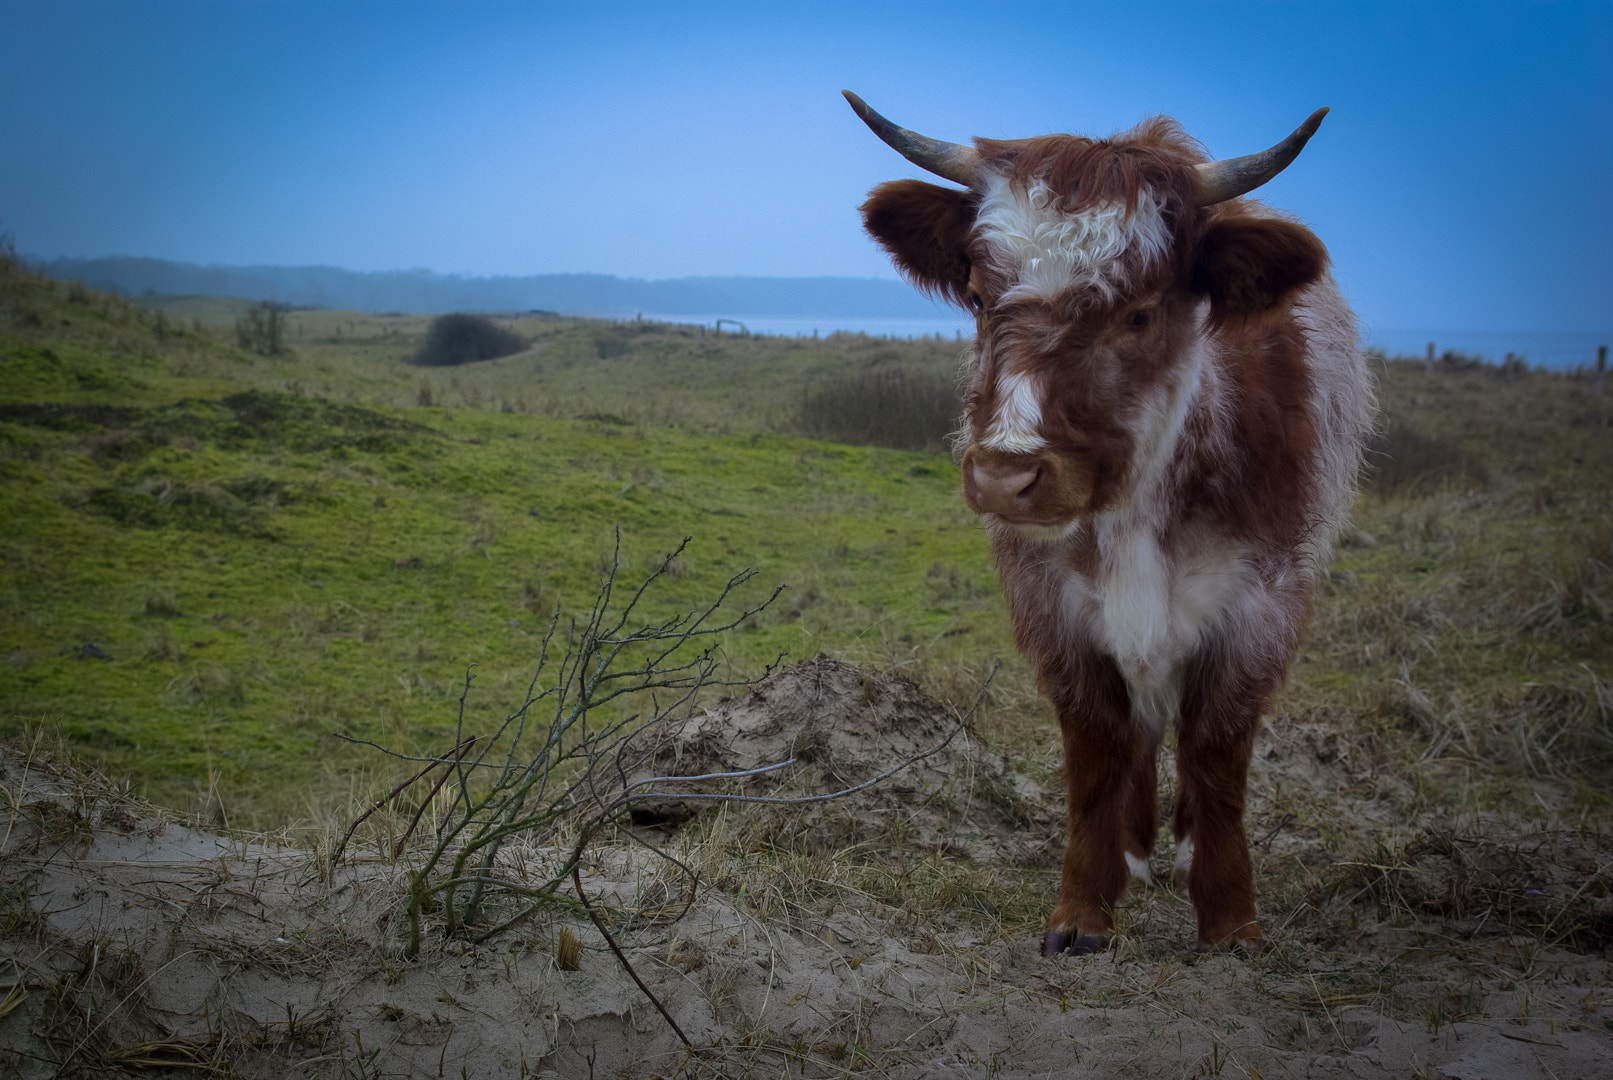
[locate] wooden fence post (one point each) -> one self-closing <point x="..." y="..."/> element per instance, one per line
<point x="1601" y="367"/>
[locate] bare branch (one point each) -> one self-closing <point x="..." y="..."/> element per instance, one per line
<point x="557" y="762"/>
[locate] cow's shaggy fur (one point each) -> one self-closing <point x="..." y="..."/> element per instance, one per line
<point x="1165" y="410"/>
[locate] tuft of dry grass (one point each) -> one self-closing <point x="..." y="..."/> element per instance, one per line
<point x="1401" y="458"/>
<point x="873" y="407"/>
<point x="568" y="950"/>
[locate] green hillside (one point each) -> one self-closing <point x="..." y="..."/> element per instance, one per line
<point x="639" y="372"/>
<point x="270" y="549"/>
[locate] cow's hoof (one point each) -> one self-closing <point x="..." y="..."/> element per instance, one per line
<point x="1074" y="943"/>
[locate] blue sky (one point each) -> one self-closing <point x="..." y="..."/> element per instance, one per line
<point x="1462" y="179"/>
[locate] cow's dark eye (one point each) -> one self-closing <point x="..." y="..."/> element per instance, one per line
<point x="976" y="302"/>
<point x="1137" y="320"/>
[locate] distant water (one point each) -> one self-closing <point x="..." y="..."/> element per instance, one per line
<point x="959" y="329"/>
<point x="1559" y="351"/>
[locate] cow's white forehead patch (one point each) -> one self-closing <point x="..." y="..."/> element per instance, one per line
<point x="1049" y="251"/>
<point x="1017" y="425"/>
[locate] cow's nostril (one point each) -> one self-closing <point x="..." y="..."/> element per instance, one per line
<point x="1005" y="487"/>
<point x="1035" y="475"/>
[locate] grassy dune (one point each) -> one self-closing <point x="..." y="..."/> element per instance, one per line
<point x="638" y="373"/>
<point x="1465" y="624"/>
<point x="273" y="548"/>
<point x="210" y="561"/>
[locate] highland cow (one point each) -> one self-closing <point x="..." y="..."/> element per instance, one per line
<point x="1164" y="413"/>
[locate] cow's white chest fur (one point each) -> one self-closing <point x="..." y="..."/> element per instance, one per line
<point x="1150" y="611"/>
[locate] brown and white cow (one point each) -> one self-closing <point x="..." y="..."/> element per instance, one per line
<point x="1164" y="411"/>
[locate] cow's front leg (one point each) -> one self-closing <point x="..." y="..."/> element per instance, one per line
<point x="1220" y="713"/>
<point x="1109" y="774"/>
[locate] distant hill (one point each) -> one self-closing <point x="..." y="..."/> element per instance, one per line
<point x="425" y="292"/>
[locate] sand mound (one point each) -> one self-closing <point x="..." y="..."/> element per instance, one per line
<point x="133" y="945"/>
<point x="847" y="726"/>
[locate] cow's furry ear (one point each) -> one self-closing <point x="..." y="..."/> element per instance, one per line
<point x="924" y="228"/>
<point x="1248" y="265"/>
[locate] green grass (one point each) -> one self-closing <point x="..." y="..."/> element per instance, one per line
<point x="1465" y="629"/>
<point x="649" y="373"/>
<point x="265" y="568"/>
<point x="272" y="549"/>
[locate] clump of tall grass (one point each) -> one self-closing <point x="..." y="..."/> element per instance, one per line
<point x="1402" y="458"/>
<point x="882" y="408"/>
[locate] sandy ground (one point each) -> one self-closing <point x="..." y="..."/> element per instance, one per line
<point x="133" y="944"/>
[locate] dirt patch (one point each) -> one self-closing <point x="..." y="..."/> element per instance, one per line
<point x="131" y="943"/>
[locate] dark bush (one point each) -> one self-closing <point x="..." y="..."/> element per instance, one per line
<point x="465" y="339"/>
<point x="894" y="409"/>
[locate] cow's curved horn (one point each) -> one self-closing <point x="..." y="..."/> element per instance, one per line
<point x="960" y="164"/>
<point x="1223" y="180"/>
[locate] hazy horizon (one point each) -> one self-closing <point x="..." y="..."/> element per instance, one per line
<point x="787" y="306"/>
